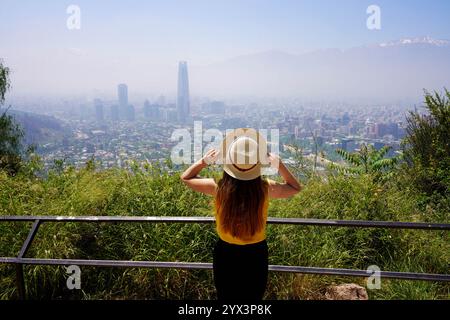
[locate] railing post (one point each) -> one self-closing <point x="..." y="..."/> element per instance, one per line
<point x="20" y="280"/>
<point x="20" y="283"/>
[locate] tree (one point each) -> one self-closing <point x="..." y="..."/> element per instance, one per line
<point x="367" y="160"/>
<point x="427" y="144"/>
<point x="300" y="166"/>
<point x="4" y="82"/>
<point x="11" y="133"/>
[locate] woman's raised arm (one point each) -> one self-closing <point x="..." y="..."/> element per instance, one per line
<point x="192" y="180"/>
<point x="283" y="190"/>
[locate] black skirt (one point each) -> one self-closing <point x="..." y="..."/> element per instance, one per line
<point x="240" y="271"/>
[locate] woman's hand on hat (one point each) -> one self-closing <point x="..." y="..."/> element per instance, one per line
<point x="274" y="160"/>
<point x="210" y="157"/>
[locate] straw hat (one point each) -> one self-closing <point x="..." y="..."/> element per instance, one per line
<point x="243" y="153"/>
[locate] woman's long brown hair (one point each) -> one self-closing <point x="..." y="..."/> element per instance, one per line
<point x="239" y="205"/>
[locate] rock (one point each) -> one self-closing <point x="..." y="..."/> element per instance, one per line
<point x="348" y="291"/>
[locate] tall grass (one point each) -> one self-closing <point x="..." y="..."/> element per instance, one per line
<point x="152" y="191"/>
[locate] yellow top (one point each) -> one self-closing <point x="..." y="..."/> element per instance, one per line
<point x="257" y="237"/>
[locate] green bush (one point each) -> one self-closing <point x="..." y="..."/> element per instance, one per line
<point x="427" y="146"/>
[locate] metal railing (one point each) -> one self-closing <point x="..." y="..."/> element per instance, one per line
<point x="21" y="260"/>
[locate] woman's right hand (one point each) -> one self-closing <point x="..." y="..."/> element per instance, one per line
<point x="210" y="157"/>
<point x="191" y="179"/>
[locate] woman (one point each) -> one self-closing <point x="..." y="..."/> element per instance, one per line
<point x="240" y="259"/>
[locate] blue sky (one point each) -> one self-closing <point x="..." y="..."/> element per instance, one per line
<point x="202" y="31"/>
<point x="208" y="30"/>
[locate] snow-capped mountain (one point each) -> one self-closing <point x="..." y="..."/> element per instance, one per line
<point x="414" y="41"/>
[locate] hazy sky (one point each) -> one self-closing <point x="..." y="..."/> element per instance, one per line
<point x="140" y="42"/>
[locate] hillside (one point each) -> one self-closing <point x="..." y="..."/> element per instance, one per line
<point x="38" y="128"/>
<point x="150" y="191"/>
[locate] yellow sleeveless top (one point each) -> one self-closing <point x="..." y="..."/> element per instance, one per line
<point x="257" y="237"/>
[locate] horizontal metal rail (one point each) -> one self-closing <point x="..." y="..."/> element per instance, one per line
<point x="207" y="266"/>
<point x="270" y="220"/>
<point x="20" y="260"/>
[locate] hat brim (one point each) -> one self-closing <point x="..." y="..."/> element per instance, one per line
<point x="234" y="171"/>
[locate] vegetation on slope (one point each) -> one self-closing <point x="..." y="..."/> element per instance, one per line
<point x="407" y="192"/>
<point x="151" y="191"/>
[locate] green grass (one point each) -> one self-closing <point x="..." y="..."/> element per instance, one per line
<point x="155" y="192"/>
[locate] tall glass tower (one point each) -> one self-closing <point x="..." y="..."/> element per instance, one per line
<point x="99" y="115"/>
<point x="183" y="108"/>
<point x="122" y="91"/>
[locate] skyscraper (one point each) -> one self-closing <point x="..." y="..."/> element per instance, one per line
<point x="183" y="108"/>
<point x="99" y="115"/>
<point x="130" y="113"/>
<point x="151" y="111"/>
<point x="122" y="91"/>
<point x="115" y="113"/>
<point x="161" y="101"/>
<point x="147" y="109"/>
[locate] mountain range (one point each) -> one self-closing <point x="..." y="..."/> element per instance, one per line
<point x="389" y="71"/>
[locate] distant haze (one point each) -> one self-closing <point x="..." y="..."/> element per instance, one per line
<point x="384" y="72"/>
<point x="234" y="48"/>
<point x="379" y="73"/>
